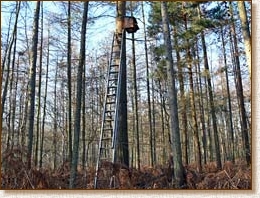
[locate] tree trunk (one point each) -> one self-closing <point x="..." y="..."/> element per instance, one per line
<point x="77" y="119"/>
<point x="69" y="84"/>
<point x="12" y="103"/>
<point x="211" y="100"/>
<point x="39" y="95"/>
<point x="153" y="124"/>
<point x="175" y="132"/>
<point x="239" y="88"/>
<point x="246" y="32"/>
<point x="148" y="89"/>
<point x="84" y="118"/>
<point x="201" y="108"/>
<point x="123" y="150"/>
<point x="136" y="121"/>
<point x="32" y="83"/>
<point x="45" y="100"/>
<point x="183" y="106"/>
<point x="162" y="101"/>
<point x="230" y="116"/>
<point x="55" y="118"/>
<point x="9" y="52"/>
<point x="192" y="104"/>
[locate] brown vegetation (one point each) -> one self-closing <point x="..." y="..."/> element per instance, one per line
<point x="15" y="175"/>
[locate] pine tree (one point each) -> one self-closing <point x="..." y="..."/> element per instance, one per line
<point x="175" y="131"/>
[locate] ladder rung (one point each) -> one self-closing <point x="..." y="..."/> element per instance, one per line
<point x="114" y="62"/>
<point x="112" y="87"/>
<point x="108" y="129"/>
<point x="113" y="72"/>
<point x="107" y="142"/>
<point x="110" y="95"/>
<point x="113" y="79"/>
<point x="109" y="116"/>
<point x="110" y="111"/>
<point x="109" y="120"/>
<point x="114" y="65"/>
<point x="111" y="102"/>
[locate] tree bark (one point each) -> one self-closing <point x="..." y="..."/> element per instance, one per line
<point x="77" y="119"/>
<point x="8" y="57"/>
<point x="12" y="103"/>
<point x="184" y="122"/>
<point x="44" y="101"/>
<point x="83" y="117"/>
<point x="32" y="83"/>
<point x="201" y="108"/>
<point x="230" y="116"/>
<point x="192" y="104"/>
<point x="69" y="83"/>
<point x="211" y="100"/>
<point x="239" y="89"/>
<point x="39" y="95"/>
<point x="123" y="150"/>
<point x="148" y="89"/>
<point x="136" y="121"/>
<point x="172" y="96"/>
<point x="246" y="32"/>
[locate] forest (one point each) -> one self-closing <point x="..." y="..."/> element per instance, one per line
<point x="126" y="95"/>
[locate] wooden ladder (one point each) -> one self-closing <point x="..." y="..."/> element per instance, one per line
<point x="104" y="175"/>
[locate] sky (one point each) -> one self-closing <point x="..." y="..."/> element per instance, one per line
<point x="98" y="32"/>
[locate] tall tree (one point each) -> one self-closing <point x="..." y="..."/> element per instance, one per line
<point x="12" y="97"/>
<point x="192" y="100"/>
<point x="69" y="82"/>
<point x="136" y="121"/>
<point x="84" y="116"/>
<point x="148" y="88"/>
<point x="123" y="150"/>
<point x="201" y="107"/>
<point x="33" y="82"/>
<point x="211" y="99"/>
<point x="230" y="117"/>
<point x="172" y="97"/>
<point x="77" y="128"/>
<point x="183" y="106"/>
<point x="239" y="89"/>
<point x="245" y="31"/>
<point x="8" y="55"/>
<point x="45" y="100"/>
<point x="39" y="94"/>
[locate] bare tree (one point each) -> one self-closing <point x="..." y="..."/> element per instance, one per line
<point x="33" y="82"/>
<point x="69" y="82"/>
<point x="39" y="95"/>
<point x="77" y="119"/>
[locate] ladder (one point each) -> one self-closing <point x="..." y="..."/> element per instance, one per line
<point x="104" y="175"/>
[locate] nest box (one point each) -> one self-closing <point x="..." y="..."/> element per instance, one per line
<point x="129" y="23"/>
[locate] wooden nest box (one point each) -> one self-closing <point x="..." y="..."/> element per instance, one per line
<point x="129" y="23"/>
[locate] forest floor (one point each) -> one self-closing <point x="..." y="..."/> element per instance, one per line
<point x="15" y="175"/>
